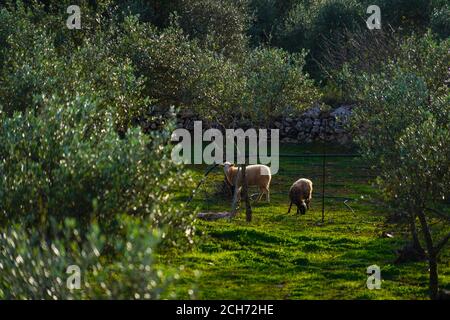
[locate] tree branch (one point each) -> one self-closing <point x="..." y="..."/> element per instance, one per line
<point x="438" y="213"/>
<point x="442" y="243"/>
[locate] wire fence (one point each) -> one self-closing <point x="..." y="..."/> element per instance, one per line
<point x="338" y="179"/>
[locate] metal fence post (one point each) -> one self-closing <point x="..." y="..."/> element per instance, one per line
<point x="323" y="186"/>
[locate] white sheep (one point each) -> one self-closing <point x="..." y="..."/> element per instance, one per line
<point x="300" y="194"/>
<point x="256" y="175"/>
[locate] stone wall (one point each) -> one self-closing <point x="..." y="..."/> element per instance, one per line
<point x="313" y="125"/>
<point x="316" y="125"/>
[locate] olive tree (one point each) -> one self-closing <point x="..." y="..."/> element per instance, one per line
<point x="425" y="172"/>
<point x="218" y="25"/>
<point x="403" y="125"/>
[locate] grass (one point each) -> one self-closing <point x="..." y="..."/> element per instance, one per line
<point x="285" y="256"/>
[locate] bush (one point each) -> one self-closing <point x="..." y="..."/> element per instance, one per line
<point x="219" y="26"/>
<point x="157" y="12"/>
<point x="269" y="83"/>
<point x="423" y="56"/>
<point x="35" y="67"/>
<point x="268" y="15"/>
<point x="165" y="59"/>
<point x="440" y="22"/>
<point x="388" y="107"/>
<point x="311" y="24"/>
<point x="179" y="72"/>
<point x="129" y="65"/>
<point x="33" y="268"/>
<point x="109" y="63"/>
<point x="293" y="32"/>
<point x="68" y="161"/>
<point x="218" y="90"/>
<point x="335" y="16"/>
<point x="400" y="112"/>
<point x="406" y="136"/>
<point x="70" y="149"/>
<point x="427" y="57"/>
<point x="424" y="148"/>
<point x="406" y="14"/>
<point x="400" y="92"/>
<point x="277" y="85"/>
<point x="25" y="64"/>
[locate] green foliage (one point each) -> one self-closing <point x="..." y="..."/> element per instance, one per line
<point x="404" y="132"/>
<point x="333" y="94"/>
<point x="166" y="59"/>
<point x="269" y="83"/>
<point x="70" y="149"/>
<point x="295" y="30"/>
<point x="35" y="67"/>
<point x="333" y="19"/>
<point x="428" y="58"/>
<point x="423" y="56"/>
<point x="277" y="84"/>
<point x="424" y="148"/>
<point x="68" y="161"/>
<point x="268" y="14"/>
<point x="218" y="25"/>
<point x="334" y="16"/>
<point x="50" y="15"/>
<point x="156" y="12"/>
<point x="219" y="90"/>
<point x="401" y="101"/>
<point x="403" y="123"/>
<point x="20" y="67"/>
<point x="389" y="107"/>
<point x="440" y="21"/>
<point x="179" y="72"/>
<point x="33" y="268"/>
<point x="310" y="24"/>
<point x="407" y="14"/>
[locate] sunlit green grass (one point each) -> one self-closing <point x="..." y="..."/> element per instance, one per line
<point x="285" y="256"/>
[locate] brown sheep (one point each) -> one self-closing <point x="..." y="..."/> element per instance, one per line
<point x="256" y="175"/>
<point x="300" y="194"/>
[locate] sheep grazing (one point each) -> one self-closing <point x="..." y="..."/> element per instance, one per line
<point x="256" y="175"/>
<point x="300" y="194"/>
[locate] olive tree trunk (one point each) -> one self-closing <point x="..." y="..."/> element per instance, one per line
<point x="432" y="256"/>
<point x="248" y="207"/>
<point x="234" y="204"/>
<point x="415" y="238"/>
<point x="244" y="195"/>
